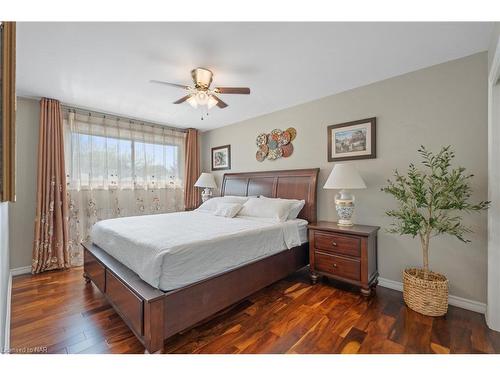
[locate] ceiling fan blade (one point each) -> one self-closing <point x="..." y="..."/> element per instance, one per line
<point x="182" y="100"/>
<point x="220" y="103"/>
<point x="232" y="90"/>
<point x="169" y="84"/>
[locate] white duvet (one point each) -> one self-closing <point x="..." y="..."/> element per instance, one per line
<point x="172" y="250"/>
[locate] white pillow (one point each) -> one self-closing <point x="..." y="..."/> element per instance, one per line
<point x="228" y="209"/>
<point x="211" y="204"/>
<point x="296" y="206"/>
<point x="238" y="198"/>
<point x="277" y="209"/>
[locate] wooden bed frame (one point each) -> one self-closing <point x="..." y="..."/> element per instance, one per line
<point x="154" y="315"/>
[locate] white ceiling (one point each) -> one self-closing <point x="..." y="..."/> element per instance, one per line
<point x="107" y="66"/>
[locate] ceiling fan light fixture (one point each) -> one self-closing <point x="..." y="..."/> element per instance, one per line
<point x="192" y="101"/>
<point x="212" y="102"/>
<point x="202" y="98"/>
<point x="201" y="94"/>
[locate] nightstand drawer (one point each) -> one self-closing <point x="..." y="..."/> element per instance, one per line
<point x="335" y="243"/>
<point x="337" y="266"/>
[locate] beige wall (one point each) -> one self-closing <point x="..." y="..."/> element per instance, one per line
<point x="440" y="105"/>
<point x="22" y="212"/>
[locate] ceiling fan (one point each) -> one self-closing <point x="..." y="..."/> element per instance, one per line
<point x="201" y="94"/>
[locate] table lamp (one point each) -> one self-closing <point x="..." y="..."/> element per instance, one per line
<point x="344" y="177"/>
<point x="206" y="181"/>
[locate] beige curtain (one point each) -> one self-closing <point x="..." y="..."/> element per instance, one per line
<point x="50" y="250"/>
<point x="7" y="111"/>
<point x="191" y="194"/>
<point x="117" y="168"/>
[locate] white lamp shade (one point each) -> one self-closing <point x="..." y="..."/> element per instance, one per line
<point x="206" y="180"/>
<point x="344" y="176"/>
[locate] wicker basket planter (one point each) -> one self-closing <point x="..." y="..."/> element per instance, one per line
<point x="427" y="296"/>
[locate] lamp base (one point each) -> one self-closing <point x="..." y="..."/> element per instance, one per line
<point x="206" y="195"/>
<point x="344" y="205"/>
<point x="344" y="223"/>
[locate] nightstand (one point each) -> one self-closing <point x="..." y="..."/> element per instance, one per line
<point x="348" y="254"/>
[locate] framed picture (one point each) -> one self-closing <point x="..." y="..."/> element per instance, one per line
<point x="221" y="158"/>
<point x="353" y="140"/>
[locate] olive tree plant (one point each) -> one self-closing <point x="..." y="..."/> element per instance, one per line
<point x="431" y="199"/>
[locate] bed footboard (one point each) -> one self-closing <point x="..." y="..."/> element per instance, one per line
<point x="138" y="303"/>
<point x="154" y="315"/>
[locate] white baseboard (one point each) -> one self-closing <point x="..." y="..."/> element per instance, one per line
<point x="386" y="283"/>
<point x="20" y="270"/>
<point x="6" y="342"/>
<point x="452" y="300"/>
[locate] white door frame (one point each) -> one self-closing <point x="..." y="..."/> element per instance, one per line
<point x="493" y="305"/>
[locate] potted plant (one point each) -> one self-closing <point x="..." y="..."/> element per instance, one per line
<point x="430" y="202"/>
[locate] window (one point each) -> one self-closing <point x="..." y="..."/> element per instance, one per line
<point x="103" y="154"/>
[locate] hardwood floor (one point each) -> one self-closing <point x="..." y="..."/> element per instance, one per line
<point x="57" y="312"/>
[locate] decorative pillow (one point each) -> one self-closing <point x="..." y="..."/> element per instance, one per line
<point x="277" y="209"/>
<point x="228" y="209"/>
<point x="297" y="206"/>
<point x="211" y="204"/>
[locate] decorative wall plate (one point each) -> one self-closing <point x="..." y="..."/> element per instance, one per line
<point x="260" y="156"/>
<point x="276" y="144"/>
<point x="275" y="154"/>
<point x="293" y="133"/>
<point x="287" y="150"/>
<point x="272" y="144"/>
<point x="264" y="149"/>
<point x="285" y="138"/>
<point x="276" y="134"/>
<point x="261" y="139"/>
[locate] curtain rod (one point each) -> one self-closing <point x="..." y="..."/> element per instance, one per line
<point x="83" y="111"/>
<point x="86" y="111"/>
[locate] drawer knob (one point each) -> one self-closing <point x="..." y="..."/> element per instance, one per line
<point x="334" y="243"/>
<point x="334" y="265"/>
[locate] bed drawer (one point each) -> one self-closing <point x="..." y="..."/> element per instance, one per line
<point x="337" y="266"/>
<point x="125" y="301"/>
<point x="336" y="243"/>
<point x="94" y="270"/>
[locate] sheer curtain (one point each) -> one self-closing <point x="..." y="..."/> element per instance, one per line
<point x="119" y="168"/>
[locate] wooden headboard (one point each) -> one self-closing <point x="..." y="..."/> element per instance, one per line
<point x="288" y="184"/>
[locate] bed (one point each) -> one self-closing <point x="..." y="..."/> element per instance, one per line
<point x="159" y="299"/>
